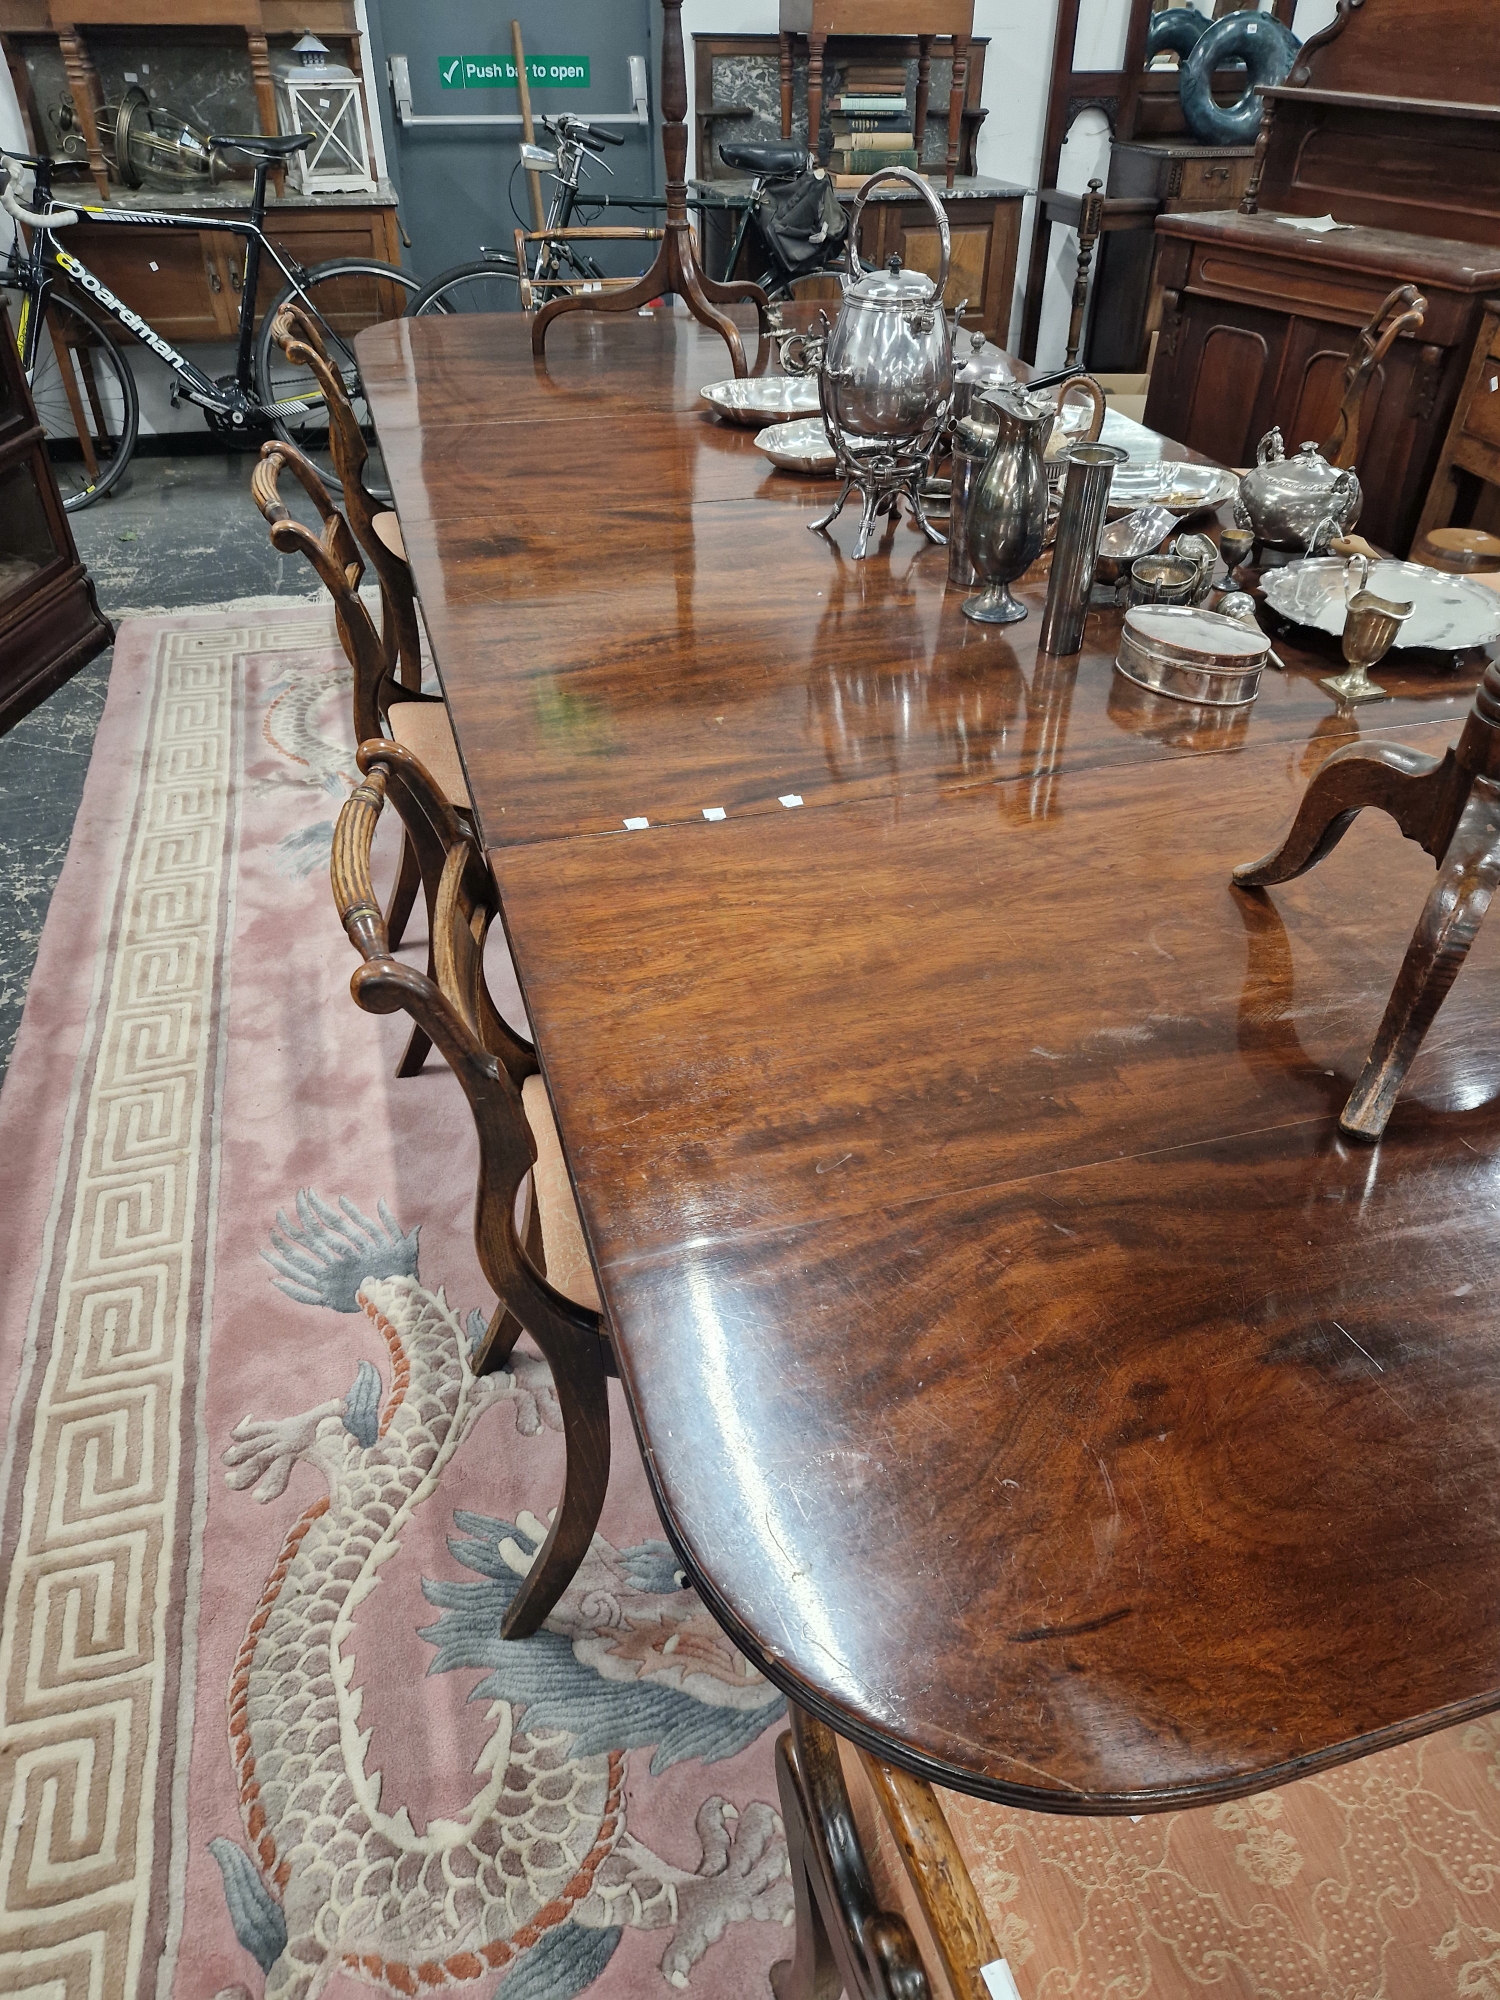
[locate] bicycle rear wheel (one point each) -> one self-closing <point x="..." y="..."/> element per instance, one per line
<point x="86" y="403"/>
<point x="343" y="298"/>
<point x="469" y="288"/>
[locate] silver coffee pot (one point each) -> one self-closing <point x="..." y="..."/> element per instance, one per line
<point x="1296" y="503"/>
<point x="887" y="369"/>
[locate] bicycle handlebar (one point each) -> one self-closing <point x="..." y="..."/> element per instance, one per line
<point x="592" y="136"/>
<point x="58" y="218"/>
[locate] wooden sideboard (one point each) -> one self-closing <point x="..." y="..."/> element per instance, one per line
<point x="50" y="622"/>
<point x="188" y="286"/>
<point x="1257" y="323"/>
<point x="1388" y="121"/>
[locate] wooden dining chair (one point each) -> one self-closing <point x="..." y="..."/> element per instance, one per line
<point x="374" y="523"/>
<point x="383" y="703"/>
<point x="541" y="1277"/>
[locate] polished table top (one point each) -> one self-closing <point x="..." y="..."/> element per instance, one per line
<point x="1035" y="1382"/>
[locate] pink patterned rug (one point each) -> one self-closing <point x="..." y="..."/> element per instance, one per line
<point x="261" y="1522"/>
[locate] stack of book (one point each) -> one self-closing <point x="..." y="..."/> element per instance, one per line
<point x="872" y="127"/>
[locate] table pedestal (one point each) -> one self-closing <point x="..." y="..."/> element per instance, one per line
<point x="1450" y="806"/>
<point x="677" y="268"/>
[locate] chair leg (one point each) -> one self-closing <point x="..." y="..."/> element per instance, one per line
<point x="579" y="1379"/>
<point x="1420" y="793"/>
<point x="1450" y="919"/>
<point x="844" y="1938"/>
<point x="404" y="894"/>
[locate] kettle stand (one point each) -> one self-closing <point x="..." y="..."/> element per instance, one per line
<point x="1450" y="806"/>
<point x="676" y="268"/>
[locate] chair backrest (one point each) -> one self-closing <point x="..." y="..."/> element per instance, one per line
<point x="455" y="1011"/>
<point x="296" y="333"/>
<point x="335" y="556"/>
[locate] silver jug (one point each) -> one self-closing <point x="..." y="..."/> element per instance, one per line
<point x="1296" y="503"/>
<point x="1006" y="522"/>
<point x="887" y="370"/>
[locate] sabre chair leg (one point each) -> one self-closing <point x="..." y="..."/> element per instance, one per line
<point x="578" y="1377"/>
<point x="1422" y="795"/>
<point x="1467" y="875"/>
<point x="404" y="894"/>
<point x="844" y="1939"/>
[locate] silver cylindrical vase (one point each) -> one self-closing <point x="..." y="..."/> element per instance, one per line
<point x="1076" y="550"/>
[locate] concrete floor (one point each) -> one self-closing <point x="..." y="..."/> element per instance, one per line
<point x="180" y="530"/>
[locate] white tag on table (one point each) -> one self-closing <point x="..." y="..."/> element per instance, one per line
<point x="636" y="825"/>
<point x="1000" y="1981"/>
<point x="713" y="812"/>
<point x="790" y="799"/>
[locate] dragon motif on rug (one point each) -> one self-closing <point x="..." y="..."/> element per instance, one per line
<point x="540" y="1876"/>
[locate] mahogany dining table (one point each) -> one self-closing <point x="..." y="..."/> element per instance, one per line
<point x="1032" y="1380"/>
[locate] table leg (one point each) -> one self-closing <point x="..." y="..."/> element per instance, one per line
<point x="1422" y="794"/>
<point x="956" y="94"/>
<point x="1451" y="807"/>
<point x="815" y="47"/>
<point x="845" y="1941"/>
<point x="1449" y="922"/>
<point x="924" y="89"/>
<point x="786" y="84"/>
<point x="677" y="268"/>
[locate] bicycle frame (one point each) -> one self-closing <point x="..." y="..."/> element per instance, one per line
<point x="34" y="273"/>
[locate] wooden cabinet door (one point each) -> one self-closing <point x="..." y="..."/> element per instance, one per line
<point x="171" y="277"/>
<point x="1211" y="389"/>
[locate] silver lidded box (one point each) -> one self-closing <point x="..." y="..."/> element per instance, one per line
<point x="1192" y="655"/>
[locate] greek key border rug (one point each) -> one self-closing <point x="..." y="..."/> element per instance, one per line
<point x="261" y="1521"/>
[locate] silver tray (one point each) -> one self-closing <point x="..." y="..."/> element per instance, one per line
<point x="1448" y="612"/>
<point x="754" y="400"/>
<point x="803" y="446"/>
<point x="1175" y="483"/>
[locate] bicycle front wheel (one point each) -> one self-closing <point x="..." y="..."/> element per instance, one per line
<point x="86" y="403"/>
<point x="469" y="288"/>
<point x="342" y="298"/>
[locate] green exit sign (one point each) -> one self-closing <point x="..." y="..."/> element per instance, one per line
<point x="499" y="72"/>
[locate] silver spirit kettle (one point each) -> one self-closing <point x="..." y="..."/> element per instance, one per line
<point x="887" y="370"/>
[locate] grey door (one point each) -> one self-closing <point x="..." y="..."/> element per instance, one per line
<point x="457" y="183"/>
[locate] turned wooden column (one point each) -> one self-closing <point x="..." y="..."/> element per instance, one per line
<point x="956" y="93"/>
<point x="816" y="44"/>
<point x="924" y="91"/>
<point x="785" y="40"/>
<point x="676" y="268"/>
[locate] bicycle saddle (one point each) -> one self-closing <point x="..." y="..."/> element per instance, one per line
<point x="267" y="145"/>
<point x="781" y="161"/>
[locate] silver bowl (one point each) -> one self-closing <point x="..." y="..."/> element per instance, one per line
<point x="758" y="400"/>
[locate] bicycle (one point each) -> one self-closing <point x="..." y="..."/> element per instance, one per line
<point x="492" y="282"/>
<point x="84" y="389"/>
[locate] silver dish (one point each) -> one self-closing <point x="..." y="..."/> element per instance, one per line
<point x="1185" y="488"/>
<point x="1191" y="655"/>
<point x="756" y="400"/>
<point x="1448" y="612"/>
<point x="803" y="446"/>
<point x="1135" y="534"/>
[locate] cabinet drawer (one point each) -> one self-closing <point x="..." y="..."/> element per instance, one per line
<point x="1208" y="183"/>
